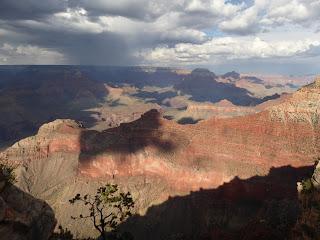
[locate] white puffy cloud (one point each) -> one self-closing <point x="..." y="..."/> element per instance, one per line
<point x="243" y="23"/>
<point x="28" y="54"/>
<point x="265" y="14"/>
<point x="217" y="7"/>
<point x="229" y="48"/>
<point x="281" y="12"/>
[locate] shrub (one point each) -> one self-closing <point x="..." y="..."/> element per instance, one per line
<point x="307" y="185"/>
<point x="7" y="173"/>
<point x="63" y="234"/>
<point x="107" y="208"/>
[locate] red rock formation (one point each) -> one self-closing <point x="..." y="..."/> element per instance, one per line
<point x="188" y="157"/>
<point x="214" y="151"/>
<point x="162" y="158"/>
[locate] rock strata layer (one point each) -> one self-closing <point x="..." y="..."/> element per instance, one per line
<point x="155" y="158"/>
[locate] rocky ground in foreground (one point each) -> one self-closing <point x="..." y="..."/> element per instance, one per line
<point x="23" y="217"/>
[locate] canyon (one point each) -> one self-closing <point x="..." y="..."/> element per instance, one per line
<point x="104" y="97"/>
<point x="217" y="177"/>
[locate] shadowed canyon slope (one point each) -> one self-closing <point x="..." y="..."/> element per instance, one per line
<point x="23" y="217"/>
<point x="155" y="158"/>
<point x="202" y="85"/>
<point x="260" y="207"/>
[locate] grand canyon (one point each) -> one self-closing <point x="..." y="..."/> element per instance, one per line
<point x="159" y="120"/>
<point x="219" y="159"/>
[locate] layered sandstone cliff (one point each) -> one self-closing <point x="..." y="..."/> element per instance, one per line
<point x="155" y="158"/>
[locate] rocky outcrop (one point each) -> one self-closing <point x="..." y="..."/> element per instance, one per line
<point x="303" y="106"/>
<point x="221" y="109"/>
<point x="23" y="217"/>
<point x="231" y="75"/>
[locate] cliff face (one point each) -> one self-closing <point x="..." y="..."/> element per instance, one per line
<point x="210" y="152"/>
<point x="303" y="106"/>
<point x="155" y="158"/>
<point x="23" y="217"/>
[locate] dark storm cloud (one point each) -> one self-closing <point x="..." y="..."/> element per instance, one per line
<point x="82" y="39"/>
<point x="74" y="27"/>
<point x="31" y="22"/>
<point x="99" y="49"/>
<point x="103" y="48"/>
<point x="131" y="9"/>
<point x="30" y="9"/>
<point x="130" y="32"/>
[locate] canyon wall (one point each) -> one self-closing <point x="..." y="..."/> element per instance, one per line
<point x="155" y="158"/>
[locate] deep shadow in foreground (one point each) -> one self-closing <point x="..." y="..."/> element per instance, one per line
<point x="23" y="217"/>
<point x="261" y="207"/>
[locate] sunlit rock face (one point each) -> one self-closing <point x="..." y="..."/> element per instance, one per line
<point x="210" y="152"/>
<point x="303" y="106"/>
<point x="155" y="158"/>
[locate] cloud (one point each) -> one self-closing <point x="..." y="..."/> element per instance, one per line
<point x="165" y="29"/>
<point x="243" y="23"/>
<point x="28" y="54"/>
<point x="217" y="8"/>
<point x="264" y="15"/>
<point x="30" y="9"/>
<point x="292" y="11"/>
<point x="146" y="10"/>
<point x="181" y="32"/>
<point x="75" y="20"/>
<point x="228" y="48"/>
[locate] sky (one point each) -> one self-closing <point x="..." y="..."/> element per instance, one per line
<point x="271" y="36"/>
